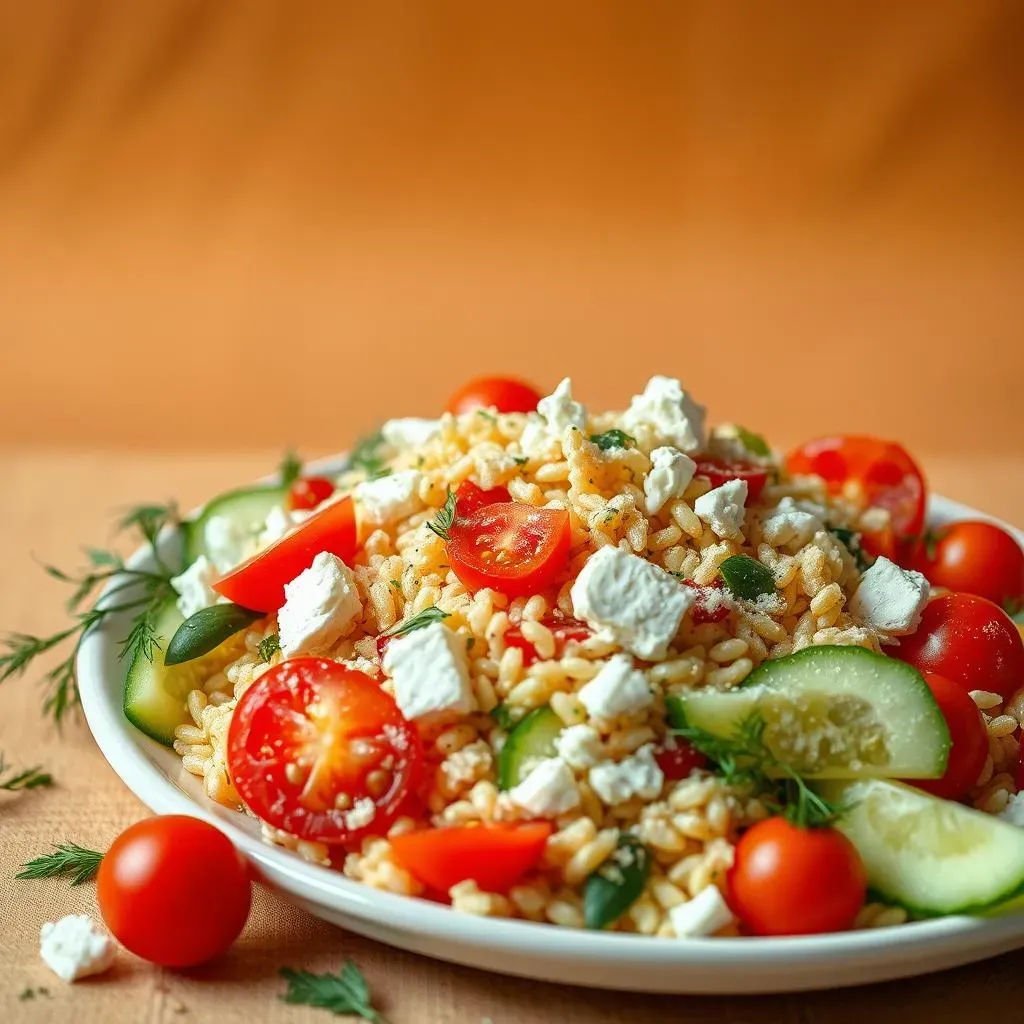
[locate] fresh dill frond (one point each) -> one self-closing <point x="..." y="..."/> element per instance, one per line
<point x="14" y="781"/>
<point x="68" y="859"/>
<point x="442" y="523"/>
<point x="418" y="621"/>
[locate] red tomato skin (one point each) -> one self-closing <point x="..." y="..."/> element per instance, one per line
<point x="495" y="857"/>
<point x="969" y="640"/>
<point x="721" y="471"/>
<point x="506" y="394"/>
<point x="566" y="631"/>
<point x="793" y="881"/>
<point x="969" y="738"/>
<point x="469" y="498"/>
<point x="679" y="761"/>
<point x="258" y="583"/>
<point x="979" y="558"/>
<point x="174" y="891"/>
<point x="706" y="610"/>
<point x="309" y="491"/>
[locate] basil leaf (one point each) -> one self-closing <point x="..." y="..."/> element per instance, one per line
<point x="206" y="630"/>
<point x="613" y="439"/>
<point x="747" y="578"/>
<point x="615" y="886"/>
<point x="754" y="443"/>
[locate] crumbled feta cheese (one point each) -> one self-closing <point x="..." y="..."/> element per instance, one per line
<point x="389" y="498"/>
<point x="320" y="606"/>
<point x="428" y="668"/>
<point x="579" y="746"/>
<point x="723" y="508"/>
<point x="228" y="541"/>
<point x="409" y="431"/>
<point x="618" y="689"/>
<point x="636" y="775"/>
<point x="790" y="524"/>
<point x="278" y="523"/>
<point x="705" y="914"/>
<point x="631" y="602"/>
<point x="74" y="947"/>
<point x="670" y="475"/>
<point x="194" y="587"/>
<point x="890" y="599"/>
<point x="674" y="416"/>
<point x="548" y="791"/>
<point x="469" y="764"/>
<point x="1013" y="812"/>
<point x="560" y="411"/>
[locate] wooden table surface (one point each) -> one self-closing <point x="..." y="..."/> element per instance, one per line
<point x="55" y="501"/>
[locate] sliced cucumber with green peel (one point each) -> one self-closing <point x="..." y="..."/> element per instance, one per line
<point x="533" y="739"/>
<point x="930" y="855"/>
<point x="247" y="507"/>
<point x="832" y="713"/>
<point x="206" y="630"/>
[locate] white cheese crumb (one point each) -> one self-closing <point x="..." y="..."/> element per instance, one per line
<point x="429" y="671"/>
<point x="664" y="407"/>
<point x="409" y="431"/>
<point x="194" y="587"/>
<point x="548" y="791"/>
<point x="790" y="524"/>
<point x="74" y="947"/>
<point x="636" y="775"/>
<point x="579" y="746"/>
<point x="229" y="542"/>
<point x="890" y="599"/>
<point x="321" y="604"/>
<point x="388" y="498"/>
<point x="1013" y="812"/>
<point x="670" y="475"/>
<point x="560" y="412"/>
<point x="281" y="521"/>
<point x="617" y="689"/>
<point x="705" y="914"/>
<point x="630" y="601"/>
<point x="723" y="509"/>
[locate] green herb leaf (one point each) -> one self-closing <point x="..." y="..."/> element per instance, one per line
<point x="617" y="883"/>
<point x="418" y="621"/>
<point x="290" y="469"/>
<point x="441" y="524"/>
<point x="520" y="460"/>
<point x="367" y="458"/>
<point x="269" y="646"/>
<point x="13" y="781"/>
<point x="344" y="992"/>
<point x="502" y="714"/>
<point x="69" y="859"/>
<point x="613" y="439"/>
<point x="850" y="539"/>
<point x="754" y="443"/>
<point x="747" y="578"/>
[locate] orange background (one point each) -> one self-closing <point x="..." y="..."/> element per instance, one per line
<point x="235" y="225"/>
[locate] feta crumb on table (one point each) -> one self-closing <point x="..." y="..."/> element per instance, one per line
<point x="705" y="914"/>
<point x="670" y="475"/>
<point x="388" y="498"/>
<point x="617" y="689"/>
<point x="636" y="775"/>
<point x="74" y="947"/>
<point x="409" y="431"/>
<point x="889" y="598"/>
<point x="724" y="508"/>
<point x="429" y="672"/>
<point x="321" y="604"/>
<point x="549" y="790"/>
<point x="194" y="587"/>
<point x="669" y="411"/>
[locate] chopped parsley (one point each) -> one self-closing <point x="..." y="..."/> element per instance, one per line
<point x="613" y="439"/>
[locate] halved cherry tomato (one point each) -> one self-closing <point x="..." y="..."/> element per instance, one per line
<point x="969" y="740"/>
<point x="679" y="760"/>
<point x="721" y="471"/>
<point x="258" y="583"/>
<point x="880" y="473"/>
<point x="493" y="856"/>
<point x="308" y="491"/>
<point x="566" y="631"/>
<point x="879" y="543"/>
<point x="514" y="548"/>
<point x="502" y="393"/>
<point x="322" y="752"/>
<point x="709" y="607"/>
<point x="469" y="497"/>
<point x="969" y="640"/>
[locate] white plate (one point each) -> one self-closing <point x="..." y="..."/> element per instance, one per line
<point x="726" y="966"/>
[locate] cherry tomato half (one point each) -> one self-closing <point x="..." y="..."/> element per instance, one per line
<point x="495" y="856"/>
<point x="787" y="880"/>
<point x="502" y="393"/>
<point x="679" y="760"/>
<point x="976" y="558"/>
<point x="309" y="491"/>
<point x="258" y="583"/>
<point x="721" y="471"/>
<point x="566" y="631"/>
<point x="163" y="870"/>
<point x="514" y="548"/>
<point x="969" y="640"/>
<point x="322" y="752"/>
<point x="469" y="498"/>
<point x="969" y="740"/>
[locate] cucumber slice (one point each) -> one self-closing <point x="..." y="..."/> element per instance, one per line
<point x="206" y="630"/>
<point x="832" y="713"/>
<point x="247" y="507"/>
<point x="932" y="856"/>
<point x="155" y="693"/>
<point x="533" y="739"/>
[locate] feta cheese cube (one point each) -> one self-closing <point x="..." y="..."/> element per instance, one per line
<point x="723" y="509"/>
<point x="320" y="606"/>
<point x="409" y="431"/>
<point x="389" y="498"/>
<point x="618" y="689"/>
<point x="890" y="599"/>
<point x="630" y="601"/>
<point x="579" y="746"/>
<point x="1013" y="812"/>
<point x="669" y="412"/>
<point x="790" y="524"/>
<point x="228" y="541"/>
<point x="548" y="791"/>
<point x="74" y="947"/>
<point x="195" y="587"/>
<point x="705" y="914"/>
<point x="636" y="775"/>
<point x="670" y="475"/>
<point x="429" y="671"/>
<point x="279" y="522"/>
<point x="560" y="411"/>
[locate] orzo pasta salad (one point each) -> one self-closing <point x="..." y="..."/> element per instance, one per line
<point x="605" y="669"/>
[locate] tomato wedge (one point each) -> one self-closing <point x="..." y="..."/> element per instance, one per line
<point x="721" y="471"/>
<point x="258" y="583"/>
<point x="493" y="856"/>
<point x="511" y="547"/>
<point x="566" y="631"/>
<point x="322" y="752"/>
<point x="469" y="498"/>
<point x="677" y="761"/>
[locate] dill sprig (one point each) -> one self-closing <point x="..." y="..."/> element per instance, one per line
<point x="442" y="523"/>
<point x="68" y="859"/>
<point x="13" y="781"/>
<point x="418" y="621"/>
<point x="366" y="457"/>
<point x="290" y="469"/>
<point x="346" y="992"/>
<point x="136" y="590"/>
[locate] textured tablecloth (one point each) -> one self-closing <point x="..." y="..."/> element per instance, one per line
<point x="51" y="503"/>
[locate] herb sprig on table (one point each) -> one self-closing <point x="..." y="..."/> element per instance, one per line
<point x="67" y="859"/>
<point x="344" y="992"/>
<point x="14" y="781"/>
